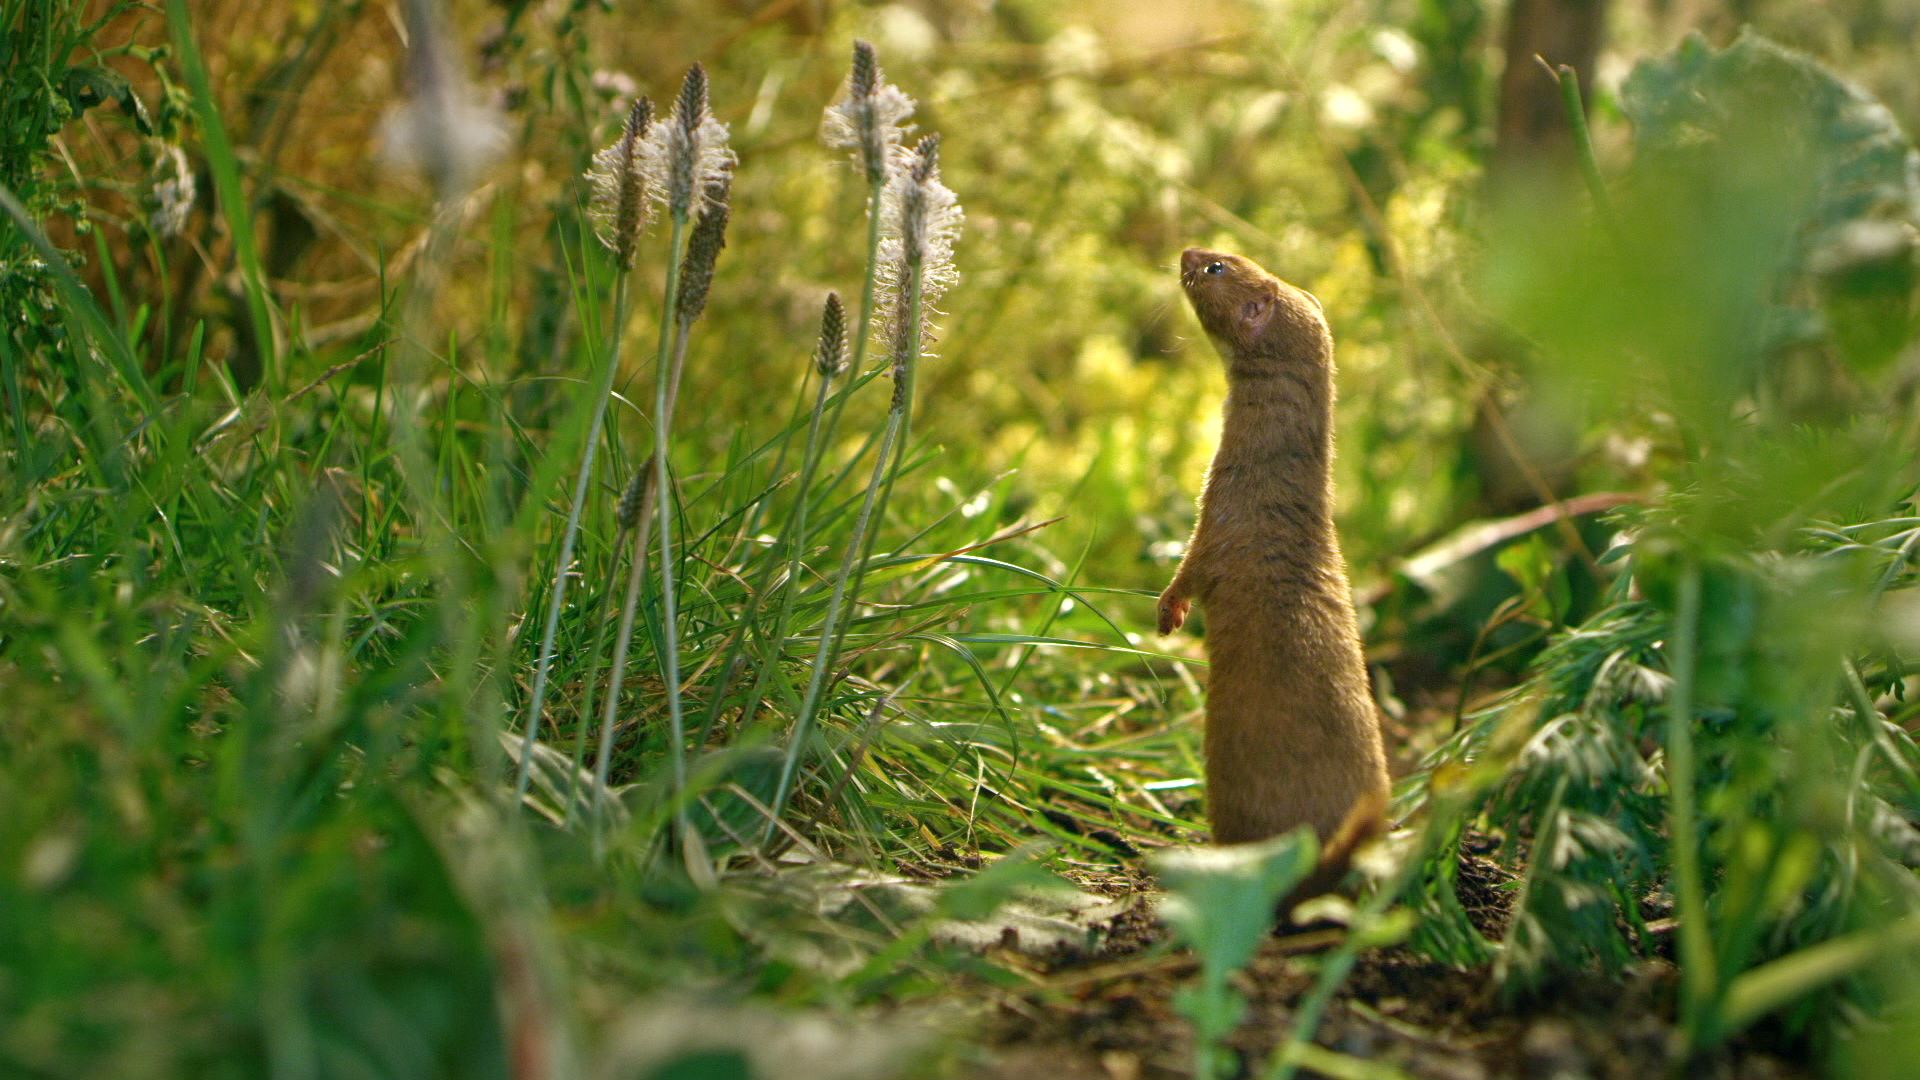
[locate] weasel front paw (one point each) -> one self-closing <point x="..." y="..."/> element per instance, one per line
<point x="1173" y="611"/>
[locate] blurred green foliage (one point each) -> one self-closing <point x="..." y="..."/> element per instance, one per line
<point x="1708" y="744"/>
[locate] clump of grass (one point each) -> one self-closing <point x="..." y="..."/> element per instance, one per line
<point x="682" y="164"/>
<point x="750" y="605"/>
<point x="692" y="158"/>
<point x="915" y="221"/>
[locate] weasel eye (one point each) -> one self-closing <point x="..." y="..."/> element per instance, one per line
<point x="1216" y="267"/>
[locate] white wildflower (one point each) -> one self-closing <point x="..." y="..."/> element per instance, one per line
<point x="618" y="204"/>
<point x="920" y="219"/>
<point x="614" y="85"/>
<point x="173" y="191"/>
<point x="871" y="116"/>
<point x="686" y="156"/>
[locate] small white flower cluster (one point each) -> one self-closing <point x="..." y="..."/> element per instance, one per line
<point x="618" y="203"/>
<point x="682" y="162"/>
<point x="173" y="191"/>
<point x="611" y="166"/>
<point x="874" y="124"/>
<point x="614" y="85"/>
<point x="870" y="118"/>
<point x="919" y="216"/>
<point x="920" y="219"/>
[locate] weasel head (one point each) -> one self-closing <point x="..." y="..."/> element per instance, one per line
<point x="1255" y="319"/>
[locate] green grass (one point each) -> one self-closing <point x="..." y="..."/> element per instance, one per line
<point x="269" y="641"/>
<point x="281" y="646"/>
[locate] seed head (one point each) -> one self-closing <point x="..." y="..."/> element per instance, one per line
<point x="919" y="222"/>
<point x="686" y="155"/>
<point x="870" y="117"/>
<point x="703" y="249"/>
<point x="619" y="205"/>
<point x="830" y="357"/>
<point x="627" y="513"/>
<point x="866" y="69"/>
<point x="441" y="128"/>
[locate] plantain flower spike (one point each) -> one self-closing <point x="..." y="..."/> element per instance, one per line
<point x="919" y="221"/>
<point x="626" y="513"/>
<point x="830" y="357"/>
<point x="687" y="154"/>
<point x="441" y="127"/>
<point x="703" y="249"/>
<point x="870" y="118"/>
<point x="619" y="205"/>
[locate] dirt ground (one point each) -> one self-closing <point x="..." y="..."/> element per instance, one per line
<point x="1108" y="1014"/>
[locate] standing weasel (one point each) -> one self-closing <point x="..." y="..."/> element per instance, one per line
<point x="1292" y="736"/>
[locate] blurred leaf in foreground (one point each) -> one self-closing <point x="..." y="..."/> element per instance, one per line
<point x="1220" y="903"/>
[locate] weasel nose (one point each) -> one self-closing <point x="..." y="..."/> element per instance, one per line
<point x="1192" y="259"/>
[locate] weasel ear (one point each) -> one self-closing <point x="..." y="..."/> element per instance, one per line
<point x="1254" y="314"/>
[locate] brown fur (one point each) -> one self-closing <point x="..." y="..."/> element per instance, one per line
<point x="1292" y="736"/>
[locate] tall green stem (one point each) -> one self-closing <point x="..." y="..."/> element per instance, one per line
<point x="868" y="292"/>
<point x="1698" y="981"/>
<point x="224" y="165"/>
<point x="636" y="574"/>
<point x="581" y="487"/>
<point x="1576" y="110"/>
<point x="662" y="435"/>
<point x="795" y="536"/>
<point x="900" y="443"/>
<point x="852" y="566"/>
<point x="588" y="682"/>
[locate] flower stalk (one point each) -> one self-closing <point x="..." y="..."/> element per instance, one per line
<point x="689" y="155"/>
<point x="632" y="513"/>
<point x="918" y="255"/>
<point x="621" y="187"/>
<point x="1700" y="987"/>
<point x="871" y="120"/>
<point x="638" y="504"/>
<point x="868" y="120"/>
<point x="626" y="515"/>
<point x="919" y="220"/>
<point x="619" y="206"/>
<point x="829" y="363"/>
